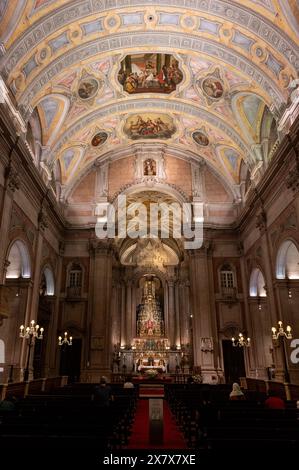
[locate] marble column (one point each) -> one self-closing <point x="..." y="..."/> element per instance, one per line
<point x="251" y="356"/>
<point x="129" y="312"/>
<point x="185" y="311"/>
<point x="133" y="311"/>
<point x="32" y="307"/>
<point x="51" y="362"/>
<point x="100" y="321"/>
<point x="123" y="333"/>
<point x="171" y="312"/>
<point x="177" y="315"/>
<point x="203" y="314"/>
<point x="273" y="299"/>
<point x="115" y="318"/>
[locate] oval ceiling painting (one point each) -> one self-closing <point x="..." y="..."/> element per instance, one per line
<point x="99" y="139"/>
<point x="201" y="138"/>
<point x="88" y="88"/>
<point x="213" y="88"/>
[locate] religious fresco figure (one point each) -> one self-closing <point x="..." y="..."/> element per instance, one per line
<point x="149" y="73"/>
<point x="88" y="88"/>
<point x="99" y="139"/>
<point x="149" y="126"/>
<point x="213" y="88"/>
<point x="149" y="166"/>
<point x="201" y="138"/>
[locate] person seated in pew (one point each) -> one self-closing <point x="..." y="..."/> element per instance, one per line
<point x="236" y="393"/>
<point x="274" y="402"/>
<point x="8" y="404"/>
<point x="128" y="383"/>
<point x="103" y="393"/>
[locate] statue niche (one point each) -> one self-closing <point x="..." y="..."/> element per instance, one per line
<point x="149" y="167"/>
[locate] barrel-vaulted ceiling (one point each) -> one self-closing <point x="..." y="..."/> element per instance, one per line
<point x="204" y="77"/>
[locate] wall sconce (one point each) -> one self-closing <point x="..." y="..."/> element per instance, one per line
<point x="65" y="341"/>
<point x="289" y="293"/>
<point x="281" y="331"/>
<point x="241" y="341"/>
<point x="259" y="305"/>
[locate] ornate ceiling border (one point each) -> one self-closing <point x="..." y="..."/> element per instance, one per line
<point x="227" y="11"/>
<point x="165" y="40"/>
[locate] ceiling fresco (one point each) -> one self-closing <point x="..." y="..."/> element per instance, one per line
<point x="206" y="77"/>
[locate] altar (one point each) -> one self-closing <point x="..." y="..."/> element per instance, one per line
<point x="159" y="369"/>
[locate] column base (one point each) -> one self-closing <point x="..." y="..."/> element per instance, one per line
<point x="212" y="376"/>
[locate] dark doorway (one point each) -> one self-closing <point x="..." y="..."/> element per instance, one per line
<point x="70" y="360"/>
<point x="40" y="347"/>
<point x="233" y="358"/>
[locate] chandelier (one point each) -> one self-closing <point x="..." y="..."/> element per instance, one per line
<point x="241" y="341"/>
<point x="31" y="331"/>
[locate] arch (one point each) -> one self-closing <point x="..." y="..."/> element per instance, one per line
<point x="19" y="261"/>
<point x="174" y="106"/>
<point x="50" y="282"/>
<point x="257" y="284"/>
<point x="139" y="272"/>
<point x="287" y="261"/>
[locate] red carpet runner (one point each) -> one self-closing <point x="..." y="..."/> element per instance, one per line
<point x="173" y="438"/>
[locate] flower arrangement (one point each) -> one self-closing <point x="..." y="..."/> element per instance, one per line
<point x="151" y="373"/>
<point x="197" y="378"/>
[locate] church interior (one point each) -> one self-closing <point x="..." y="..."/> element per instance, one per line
<point x="149" y="216"/>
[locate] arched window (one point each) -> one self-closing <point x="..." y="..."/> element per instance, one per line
<point x="287" y="262"/>
<point x="75" y="277"/>
<point x="47" y="282"/>
<point x="2" y="355"/>
<point x="257" y="287"/>
<point x="19" y="261"/>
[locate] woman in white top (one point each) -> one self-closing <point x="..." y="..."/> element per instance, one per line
<point x="128" y="383"/>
